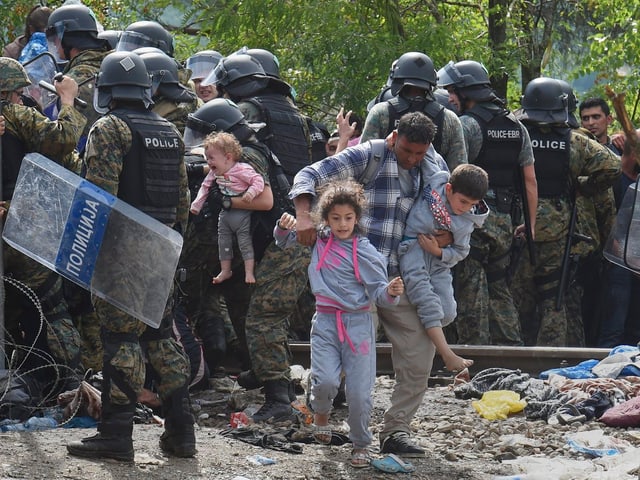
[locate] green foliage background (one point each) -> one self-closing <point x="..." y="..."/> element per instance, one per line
<point x="338" y="52"/>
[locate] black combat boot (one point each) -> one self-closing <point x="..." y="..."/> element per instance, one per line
<point x="114" y="437"/>
<point x="178" y="438"/>
<point x="248" y="380"/>
<point x="277" y="403"/>
<point x="214" y="343"/>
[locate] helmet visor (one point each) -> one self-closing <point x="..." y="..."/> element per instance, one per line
<point x="195" y="132"/>
<point x="218" y="74"/>
<point x="201" y="66"/>
<point x="129" y="41"/>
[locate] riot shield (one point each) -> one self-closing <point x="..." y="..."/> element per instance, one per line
<point x="42" y="67"/>
<point x="623" y="244"/>
<point x="93" y="238"/>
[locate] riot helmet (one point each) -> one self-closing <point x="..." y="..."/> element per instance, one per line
<point x="413" y="69"/>
<point x="217" y="115"/>
<point x="468" y="78"/>
<point x="164" y="75"/>
<point x="240" y="75"/>
<point x="146" y="33"/>
<point x="202" y="63"/>
<point x="572" y="103"/>
<point x="544" y="101"/>
<point x="268" y="60"/>
<point x="122" y="76"/>
<point x="73" y="26"/>
<point x="111" y="36"/>
<point x="466" y="73"/>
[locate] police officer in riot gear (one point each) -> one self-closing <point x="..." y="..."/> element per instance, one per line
<point x="51" y="355"/>
<point x="411" y="83"/>
<point x="72" y="34"/>
<point x="137" y="156"/>
<point x="201" y="64"/>
<point x="266" y="103"/>
<point x="199" y="259"/>
<point x="567" y="164"/>
<point x="145" y="33"/>
<point x="499" y="143"/>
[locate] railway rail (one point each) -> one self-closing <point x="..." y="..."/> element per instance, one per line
<point x="531" y="360"/>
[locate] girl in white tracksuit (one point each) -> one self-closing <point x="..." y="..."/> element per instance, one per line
<point x="346" y="274"/>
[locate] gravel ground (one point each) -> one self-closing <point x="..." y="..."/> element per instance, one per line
<point x="459" y="443"/>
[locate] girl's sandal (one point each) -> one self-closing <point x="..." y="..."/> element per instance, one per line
<point x="322" y="434"/>
<point x="359" y="458"/>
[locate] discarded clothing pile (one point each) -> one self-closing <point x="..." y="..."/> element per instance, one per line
<point x="589" y="390"/>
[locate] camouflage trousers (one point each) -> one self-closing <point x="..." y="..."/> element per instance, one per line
<point x="535" y="290"/>
<point x="486" y="313"/>
<point x="124" y="359"/>
<point x="281" y="278"/>
<point x="203" y="300"/>
<point x="88" y="325"/>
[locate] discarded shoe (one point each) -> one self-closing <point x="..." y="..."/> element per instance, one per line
<point x="569" y="413"/>
<point x="392" y="464"/>
<point x="400" y="443"/>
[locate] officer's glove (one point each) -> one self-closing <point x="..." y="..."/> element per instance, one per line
<point x="213" y="205"/>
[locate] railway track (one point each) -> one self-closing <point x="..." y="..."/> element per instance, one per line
<point x="531" y="360"/>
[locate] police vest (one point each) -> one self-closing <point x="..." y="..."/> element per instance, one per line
<point x="13" y="151"/>
<point x="286" y="132"/>
<point x="150" y="178"/>
<point x="398" y="106"/>
<point x="501" y="145"/>
<point x="551" y="150"/>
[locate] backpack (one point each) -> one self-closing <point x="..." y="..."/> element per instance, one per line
<point x="376" y="156"/>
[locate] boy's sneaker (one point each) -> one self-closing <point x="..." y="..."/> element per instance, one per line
<point x="400" y="443"/>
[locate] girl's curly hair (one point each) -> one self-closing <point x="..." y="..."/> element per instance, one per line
<point x="339" y="192"/>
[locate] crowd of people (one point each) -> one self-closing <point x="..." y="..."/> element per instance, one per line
<point x="462" y="221"/>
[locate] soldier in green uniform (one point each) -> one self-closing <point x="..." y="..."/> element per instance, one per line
<point x="596" y="214"/>
<point x="281" y="276"/>
<point x="208" y="305"/>
<point x="411" y="83"/>
<point x="129" y="149"/>
<point x="72" y="33"/>
<point x="568" y="164"/>
<point x="500" y="144"/>
<point x="27" y="130"/>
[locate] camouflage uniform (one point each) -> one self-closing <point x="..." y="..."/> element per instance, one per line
<point x="176" y="113"/>
<point x="486" y="312"/>
<point x="585" y="295"/>
<point x="109" y="142"/>
<point x="56" y="140"/>
<point x="212" y="306"/>
<point x="593" y="168"/>
<point x="281" y="278"/>
<point x="453" y="148"/>
<point x="83" y="68"/>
